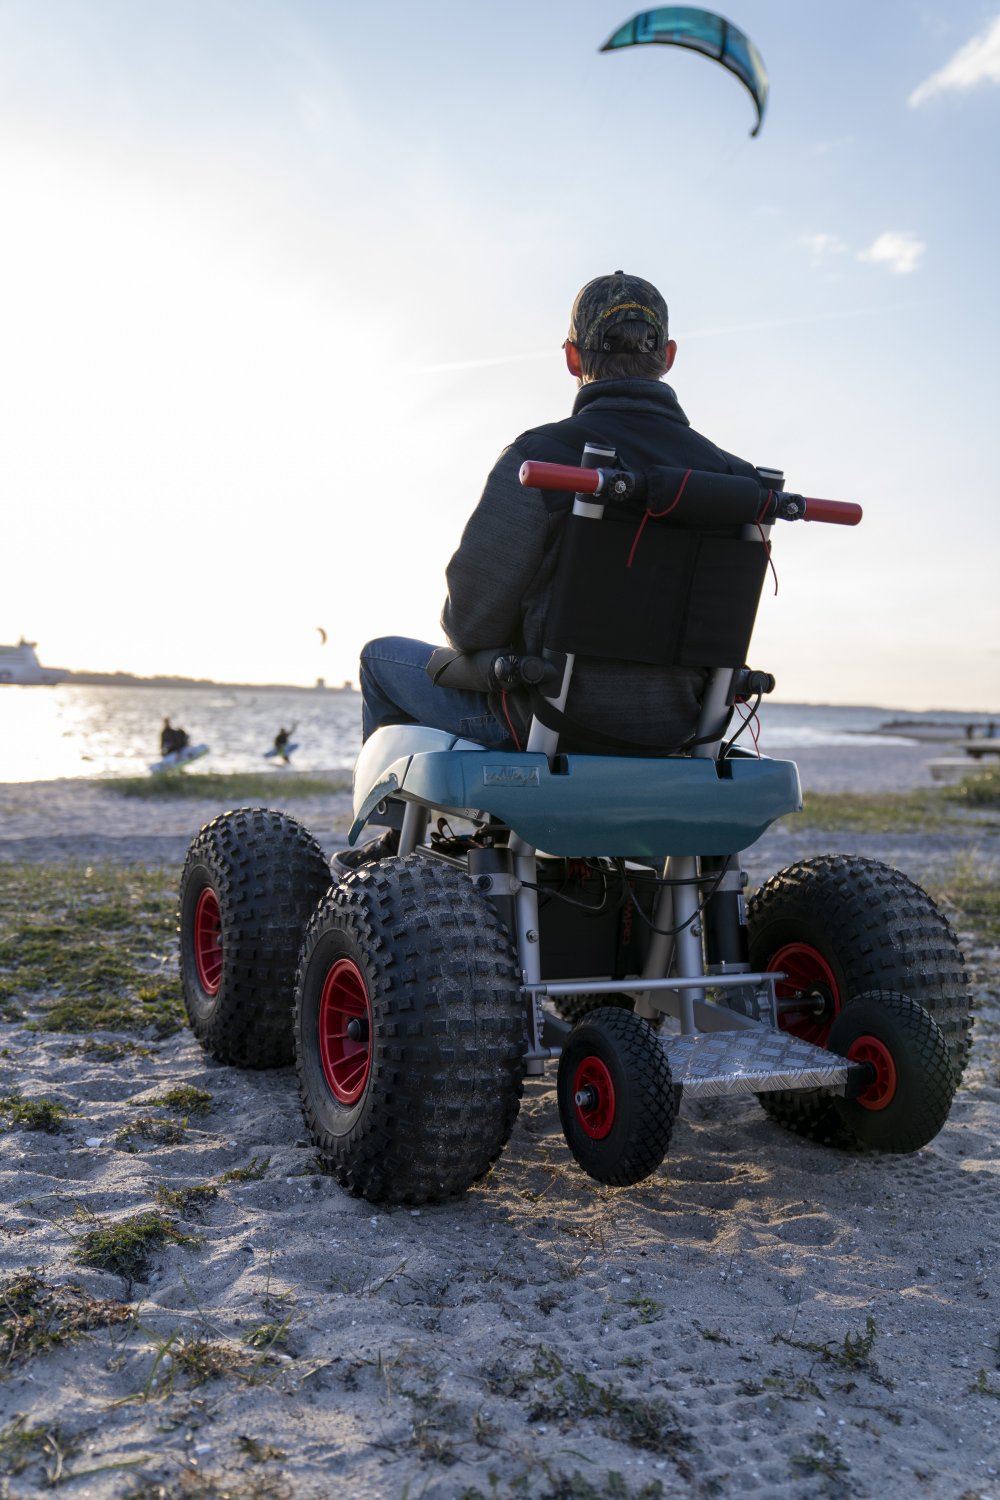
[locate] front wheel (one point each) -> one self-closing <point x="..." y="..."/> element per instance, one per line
<point x="838" y="926"/>
<point x="409" y="1032"/>
<point x="907" y="1099"/>
<point x="616" y="1097"/>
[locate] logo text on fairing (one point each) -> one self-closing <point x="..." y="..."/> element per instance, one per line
<point x="510" y="776"/>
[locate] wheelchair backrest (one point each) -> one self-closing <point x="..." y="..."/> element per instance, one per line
<point x="672" y="581"/>
<point x="630" y="586"/>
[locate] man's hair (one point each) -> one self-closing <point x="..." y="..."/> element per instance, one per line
<point x="629" y="357"/>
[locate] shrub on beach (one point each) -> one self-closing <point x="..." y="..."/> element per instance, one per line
<point x="85" y="949"/>
<point x="980" y="790"/>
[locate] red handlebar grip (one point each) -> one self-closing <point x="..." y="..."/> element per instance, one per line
<point x="560" y="477"/>
<point x="836" y="512"/>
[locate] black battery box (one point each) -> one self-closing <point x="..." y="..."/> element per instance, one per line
<point x="587" y="916"/>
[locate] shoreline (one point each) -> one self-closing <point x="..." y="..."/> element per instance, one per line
<point x="889" y="766"/>
<point x="84" y="820"/>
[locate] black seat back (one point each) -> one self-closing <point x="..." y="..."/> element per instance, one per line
<point x="634" y="587"/>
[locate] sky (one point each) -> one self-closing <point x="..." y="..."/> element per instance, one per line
<point x="279" y="281"/>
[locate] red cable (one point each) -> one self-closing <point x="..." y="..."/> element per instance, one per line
<point x="754" y="723"/>
<point x="506" y="714"/>
<point x="656" y="514"/>
<point x="765" y="506"/>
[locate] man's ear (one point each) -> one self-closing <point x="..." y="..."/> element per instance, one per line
<point x="572" y="359"/>
<point x="671" y="352"/>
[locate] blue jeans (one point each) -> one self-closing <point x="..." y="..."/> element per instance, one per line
<point x="395" y="689"/>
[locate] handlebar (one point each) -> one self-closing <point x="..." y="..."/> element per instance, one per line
<point x="691" y="496"/>
<point x="541" y="476"/>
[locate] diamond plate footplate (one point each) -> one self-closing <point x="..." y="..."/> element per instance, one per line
<point x="751" y="1062"/>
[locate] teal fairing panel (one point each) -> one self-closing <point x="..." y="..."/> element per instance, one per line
<point x="598" y="805"/>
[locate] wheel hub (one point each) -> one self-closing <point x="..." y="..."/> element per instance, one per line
<point x="881" y="1091"/>
<point x="208" y="941"/>
<point x="809" y="996"/>
<point x="345" y="1022"/>
<point x="594" y="1098"/>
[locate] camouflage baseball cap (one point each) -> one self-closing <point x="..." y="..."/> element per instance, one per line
<point x="617" y="298"/>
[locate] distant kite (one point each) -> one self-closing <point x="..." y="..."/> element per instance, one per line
<point x="322" y="635"/>
<point x="700" y="31"/>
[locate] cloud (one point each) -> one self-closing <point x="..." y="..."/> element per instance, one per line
<point x="896" y="249"/>
<point x="823" y="247"/>
<point x="977" y="62"/>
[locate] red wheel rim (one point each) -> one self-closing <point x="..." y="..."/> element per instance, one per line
<point x="808" y="974"/>
<point x="345" y="1026"/>
<point x="597" y="1115"/>
<point x="208" y="941"/>
<point x="882" y="1090"/>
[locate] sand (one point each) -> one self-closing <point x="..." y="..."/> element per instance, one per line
<point x="763" y="1317"/>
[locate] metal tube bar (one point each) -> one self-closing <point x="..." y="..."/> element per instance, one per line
<point x="660" y="953"/>
<point x="540" y="737"/>
<point x="557" y="988"/>
<point x="529" y="955"/>
<point x="687" y="940"/>
<point x="714" y="713"/>
<point x="415" y="817"/>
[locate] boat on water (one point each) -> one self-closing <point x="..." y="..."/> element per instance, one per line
<point x="19" y="664"/>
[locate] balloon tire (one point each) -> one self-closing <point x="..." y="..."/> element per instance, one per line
<point x="626" y="1050"/>
<point x="447" y="1032"/>
<point x="869" y="928"/>
<point x="261" y="874"/>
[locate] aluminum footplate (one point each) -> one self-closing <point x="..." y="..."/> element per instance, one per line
<point x="751" y="1062"/>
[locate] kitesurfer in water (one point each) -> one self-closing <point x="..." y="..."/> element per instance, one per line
<point x="281" y="740"/>
<point x="172" y="738"/>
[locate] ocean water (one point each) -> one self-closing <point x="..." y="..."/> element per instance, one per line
<point x="75" y="730"/>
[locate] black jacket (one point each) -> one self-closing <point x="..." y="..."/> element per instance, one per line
<point x="499" y="580"/>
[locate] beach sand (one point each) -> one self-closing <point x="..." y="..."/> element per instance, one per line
<point x="761" y="1318"/>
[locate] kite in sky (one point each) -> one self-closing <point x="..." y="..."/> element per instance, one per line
<point x="700" y="31"/>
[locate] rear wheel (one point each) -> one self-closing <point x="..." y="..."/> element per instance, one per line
<point x="616" y="1097"/>
<point x="251" y="880"/>
<point x="908" y="1098"/>
<point x="838" y="926"/>
<point x="409" y="1032"/>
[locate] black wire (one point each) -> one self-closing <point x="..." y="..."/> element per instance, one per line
<point x="673" y="931"/>
<point x="628" y="892"/>
<point x="666" y="880"/>
<point x="559" y="894"/>
<point x="744" y="725"/>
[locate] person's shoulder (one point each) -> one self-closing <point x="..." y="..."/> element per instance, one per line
<point x="503" y="483"/>
<point x="552" y="442"/>
<point x="727" y="462"/>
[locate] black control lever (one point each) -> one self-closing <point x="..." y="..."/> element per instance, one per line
<point x="524" y="671"/>
<point x="749" y="683"/>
